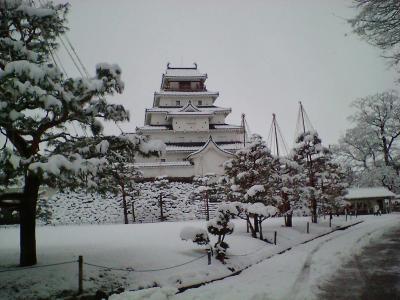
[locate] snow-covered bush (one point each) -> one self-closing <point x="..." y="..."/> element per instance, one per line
<point x="222" y="226"/>
<point x="196" y="235"/>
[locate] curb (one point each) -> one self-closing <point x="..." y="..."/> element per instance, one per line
<point x="193" y="286"/>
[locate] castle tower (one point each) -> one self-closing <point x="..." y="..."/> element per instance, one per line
<point x="184" y="116"/>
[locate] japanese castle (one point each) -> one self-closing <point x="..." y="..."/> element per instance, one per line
<point x="184" y="116"/>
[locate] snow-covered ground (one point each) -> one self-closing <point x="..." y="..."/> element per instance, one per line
<point x="296" y="274"/>
<point x="139" y="250"/>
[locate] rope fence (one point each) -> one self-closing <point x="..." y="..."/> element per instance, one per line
<point x="143" y="271"/>
<point x="38" y="267"/>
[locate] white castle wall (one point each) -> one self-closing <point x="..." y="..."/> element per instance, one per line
<point x="190" y="124"/>
<point x="171" y="101"/>
<point x="196" y="137"/>
<point x="170" y="171"/>
<point x="209" y="162"/>
<point x="159" y="119"/>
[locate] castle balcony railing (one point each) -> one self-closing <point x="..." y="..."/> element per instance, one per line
<point x="185" y="89"/>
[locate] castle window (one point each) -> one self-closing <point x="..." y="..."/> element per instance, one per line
<point x="178" y="103"/>
<point x="200" y="102"/>
<point x="184" y="85"/>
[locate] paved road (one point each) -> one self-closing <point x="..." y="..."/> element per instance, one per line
<point x="374" y="274"/>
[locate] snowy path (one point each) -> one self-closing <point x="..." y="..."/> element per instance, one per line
<point x="297" y="274"/>
<point x="373" y="275"/>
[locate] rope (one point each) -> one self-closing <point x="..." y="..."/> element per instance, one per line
<point x="76" y="55"/>
<point x="70" y="55"/>
<point x="282" y="139"/>
<point x="143" y="271"/>
<point x="60" y="63"/>
<point x="37" y="267"/>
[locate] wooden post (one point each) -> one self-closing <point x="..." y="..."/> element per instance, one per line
<point x="133" y="212"/>
<point x="308" y="227"/>
<point x="80" y="275"/>
<point x="275" y="237"/>
<point x="330" y="222"/>
<point x="124" y="204"/>
<point x="209" y="256"/>
<point x="345" y="212"/>
<point x="207" y="207"/>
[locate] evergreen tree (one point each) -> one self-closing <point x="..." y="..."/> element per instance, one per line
<point x="161" y="184"/>
<point x="252" y="176"/>
<point x="209" y="188"/>
<point x="37" y="102"/>
<point x="320" y="179"/>
<point x="287" y="188"/>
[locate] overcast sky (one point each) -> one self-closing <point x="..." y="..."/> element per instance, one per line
<point x="262" y="56"/>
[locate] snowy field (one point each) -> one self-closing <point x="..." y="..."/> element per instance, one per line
<point x="138" y="251"/>
<point x="295" y="274"/>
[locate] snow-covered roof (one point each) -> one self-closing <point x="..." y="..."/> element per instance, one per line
<point x="368" y="192"/>
<point x="184" y="72"/>
<point x="153" y="127"/>
<point x="227" y="126"/>
<point x="185" y="94"/>
<point x="189" y="108"/>
<point x="207" y="110"/>
<point x="209" y="143"/>
<point x="182" y="148"/>
<point x="213" y="127"/>
<point x="163" y="164"/>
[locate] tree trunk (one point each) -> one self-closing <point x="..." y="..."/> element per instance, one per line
<point x="314" y="217"/>
<point x="260" y="228"/>
<point x="161" y="208"/>
<point x="288" y="220"/>
<point x="133" y="212"/>
<point x="288" y="217"/>
<point x="207" y="208"/>
<point x="256" y="229"/>
<point x="126" y="221"/>
<point x="249" y="225"/>
<point x="28" y="221"/>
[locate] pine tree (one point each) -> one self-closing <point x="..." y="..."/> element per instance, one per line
<point x="320" y="179"/>
<point x="287" y="188"/>
<point x="37" y="102"/>
<point x="161" y="184"/>
<point x="252" y="176"/>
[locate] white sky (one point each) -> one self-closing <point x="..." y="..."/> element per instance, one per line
<point x="262" y="56"/>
